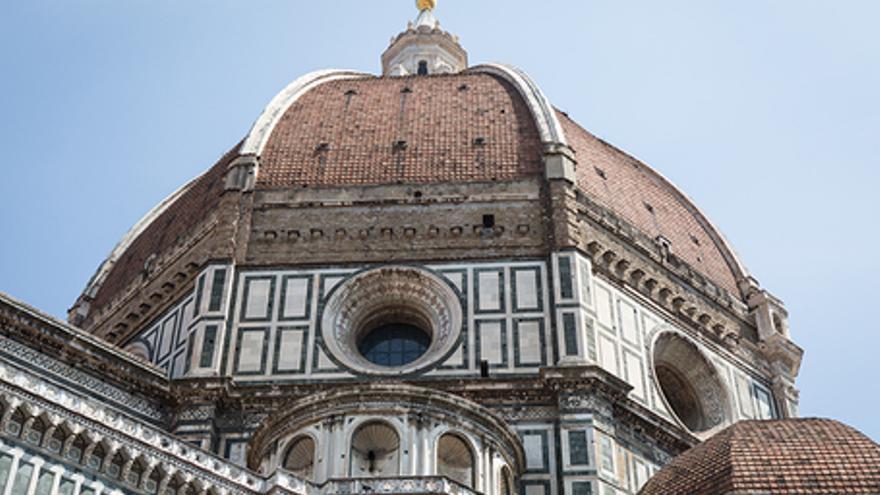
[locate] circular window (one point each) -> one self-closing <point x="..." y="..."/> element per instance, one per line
<point x="392" y="321"/>
<point x="690" y="385"/>
<point x="394" y="344"/>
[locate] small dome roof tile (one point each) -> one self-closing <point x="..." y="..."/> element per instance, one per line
<point x="778" y="457"/>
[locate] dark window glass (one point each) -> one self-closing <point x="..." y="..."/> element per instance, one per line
<point x="565" y="286"/>
<point x="217" y="290"/>
<point x="207" y="356"/>
<point x="569" y="327"/>
<point x="394" y="344"/>
<point x="577" y="448"/>
<point x="423" y="68"/>
<point x="582" y="488"/>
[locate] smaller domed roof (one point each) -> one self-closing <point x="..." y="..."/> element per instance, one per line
<point x="775" y="457"/>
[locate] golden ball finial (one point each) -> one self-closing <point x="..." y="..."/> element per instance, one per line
<point x="426" y="4"/>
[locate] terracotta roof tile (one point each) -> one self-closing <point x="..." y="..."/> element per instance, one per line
<point x="781" y="457"/>
<point x="641" y="197"/>
<point x="191" y="208"/>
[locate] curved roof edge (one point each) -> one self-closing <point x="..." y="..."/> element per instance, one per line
<point x="733" y="260"/>
<point x="551" y="131"/>
<point x="262" y="129"/>
<point x="548" y="123"/>
<point x="133" y="233"/>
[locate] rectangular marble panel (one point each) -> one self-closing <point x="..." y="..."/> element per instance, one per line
<point x="296" y="298"/>
<point x="606" y="453"/>
<point x="590" y="333"/>
<point x="534" y="447"/>
<point x="604" y="307"/>
<point x="641" y="473"/>
<point x="608" y="353"/>
<point x="585" y="282"/>
<point x="629" y="322"/>
<point x="744" y="394"/>
<point x="491" y="343"/>
<point x="290" y="349"/>
<point x="634" y="373"/>
<point x="186" y="315"/>
<point x="529" y="342"/>
<point x="535" y="489"/>
<point x="489" y="291"/>
<point x="526" y="290"/>
<point x="168" y="327"/>
<point x="179" y="368"/>
<point x="250" y="353"/>
<point x="258" y="292"/>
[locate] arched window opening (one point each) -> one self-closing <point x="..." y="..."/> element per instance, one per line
<point x="114" y="468"/>
<point x="455" y="460"/>
<point x="375" y="451"/>
<point x="175" y="486"/>
<point x="13" y="427"/>
<point x="300" y="458"/>
<point x="151" y="485"/>
<point x="423" y="68"/>
<point x="135" y="474"/>
<point x="96" y="458"/>
<point x="57" y="441"/>
<point x="76" y="449"/>
<point x="35" y="433"/>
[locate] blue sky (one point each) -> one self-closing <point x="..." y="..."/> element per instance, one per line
<point x="765" y="112"/>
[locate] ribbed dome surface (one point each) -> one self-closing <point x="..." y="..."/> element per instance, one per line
<point x="470" y="127"/>
<point x="191" y="207"/>
<point x="646" y="200"/>
<point x="461" y="128"/>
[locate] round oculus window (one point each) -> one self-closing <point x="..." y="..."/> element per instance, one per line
<point x="392" y="320"/>
<point x="394" y="344"/>
<point x="691" y="386"/>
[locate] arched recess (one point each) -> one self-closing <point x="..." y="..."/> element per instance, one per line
<point x="375" y="451"/>
<point x="689" y="384"/>
<point x="300" y="457"/>
<point x="455" y="459"/>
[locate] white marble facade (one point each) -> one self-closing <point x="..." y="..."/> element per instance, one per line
<point x="517" y="317"/>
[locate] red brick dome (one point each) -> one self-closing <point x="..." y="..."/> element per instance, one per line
<point x="490" y="123"/>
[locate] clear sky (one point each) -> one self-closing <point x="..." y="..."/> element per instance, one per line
<point x="766" y="112"/>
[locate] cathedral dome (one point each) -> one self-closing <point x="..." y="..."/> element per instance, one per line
<point x="450" y="124"/>
<point x="490" y="123"/>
